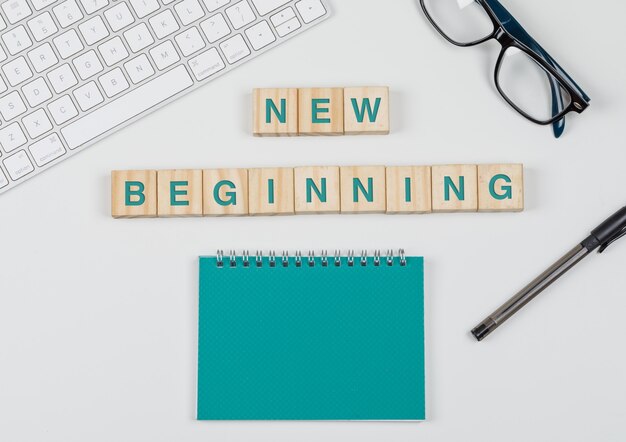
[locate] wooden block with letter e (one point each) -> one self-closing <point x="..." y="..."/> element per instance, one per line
<point x="455" y="188"/>
<point x="180" y="193"/>
<point x="271" y="191"/>
<point x="317" y="190"/>
<point x="500" y="188"/>
<point x="134" y="193"/>
<point x="409" y="189"/>
<point x="225" y="192"/>
<point x="320" y="111"/>
<point x="366" y="110"/>
<point x="363" y="189"/>
<point x="275" y="112"/>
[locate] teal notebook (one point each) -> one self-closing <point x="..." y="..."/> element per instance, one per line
<point x="311" y="340"/>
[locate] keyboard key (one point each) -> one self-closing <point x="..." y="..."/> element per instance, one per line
<point x="240" y="14"/>
<point x="3" y="85"/>
<point x="92" y="6"/>
<point x="189" y="11"/>
<point x="139" y="68"/>
<point x="215" y="28"/>
<point x="87" y="65"/>
<point x="113" y="82"/>
<point x="119" y="16"/>
<point x="164" y="55"/>
<point x="288" y="27"/>
<point x="144" y="7"/>
<point x="260" y="35"/>
<point x="235" y="49"/>
<point x="206" y="64"/>
<point x="16" y="10"/>
<point x="37" y="123"/>
<point x="283" y="16"/>
<point x="11" y="106"/>
<point x="62" y="78"/>
<point x="47" y="150"/>
<point x="3" y="25"/>
<point x="88" y="96"/>
<point x="310" y="10"/>
<point x="17" y="40"/>
<point x="214" y="5"/>
<point x="3" y="55"/>
<point x="138" y="37"/>
<point x="113" y="51"/>
<point x="42" y="57"/>
<point x="17" y="71"/>
<point x="18" y="165"/>
<point x="190" y="41"/>
<point x="36" y="92"/>
<point x="12" y="137"/>
<point x="40" y="4"/>
<point x="62" y="110"/>
<point x="42" y="26"/>
<point x="93" y="30"/>
<point x="267" y="6"/>
<point x="68" y="44"/>
<point x="126" y="107"/>
<point x="3" y="180"/>
<point x="164" y="24"/>
<point x="67" y="13"/>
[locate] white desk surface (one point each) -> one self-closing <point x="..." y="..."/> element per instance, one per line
<point x="98" y="316"/>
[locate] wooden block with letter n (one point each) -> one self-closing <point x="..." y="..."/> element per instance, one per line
<point x="366" y="110"/>
<point x="180" y="193"/>
<point x="317" y="190"/>
<point x="455" y="188"/>
<point x="500" y="188"/>
<point x="409" y="189"/>
<point x="134" y="193"/>
<point x="225" y="192"/>
<point x="363" y="189"/>
<point x="271" y="191"/>
<point x="320" y="111"/>
<point x="275" y="112"/>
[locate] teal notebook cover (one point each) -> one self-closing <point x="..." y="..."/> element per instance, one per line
<point x="311" y="342"/>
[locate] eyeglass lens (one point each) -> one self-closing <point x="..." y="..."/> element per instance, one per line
<point x="462" y="21"/>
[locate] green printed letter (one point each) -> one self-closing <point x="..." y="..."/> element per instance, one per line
<point x="358" y="185"/>
<point x="316" y="110"/>
<point x="407" y="190"/>
<point x="360" y="113"/>
<point x="271" y="107"/>
<point x="270" y="191"/>
<point x="232" y="196"/>
<point x="458" y="191"/>
<point x="508" y="190"/>
<point x="138" y="192"/>
<point x="321" y="194"/>
<point x="174" y="192"/>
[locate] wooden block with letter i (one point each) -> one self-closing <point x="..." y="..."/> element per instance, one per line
<point x="366" y="110"/>
<point x="134" y="193"/>
<point x="500" y="188"/>
<point x="225" y="192"/>
<point x="317" y="190"/>
<point x="455" y="188"/>
<point x="271" y="191"/>
<point x="409" y="189"/>
<point x="180" y="192"/>
<point x="275" y="112"/>
<point x="363" y="189"/>
<point x="320" y="111"/>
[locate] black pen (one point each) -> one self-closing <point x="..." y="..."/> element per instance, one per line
<point x="601" y="237"/>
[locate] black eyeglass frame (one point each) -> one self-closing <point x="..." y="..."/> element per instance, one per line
<point x="509" y="33"/>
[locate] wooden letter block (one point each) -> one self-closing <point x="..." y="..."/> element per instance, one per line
<point x="455" y="188"/>
<point x="275" y="112"/>
<point x="271" y="191"/>
<point x="134" y="193"/>
<point x="409" y="190"/>
<point x="366" y="110"/>
<point x="180" y="192"/>
<point x="320" y="111"/>
<point x="317" y="190"/>
<point x="225" y="192"/>
<point x="363" y="189"/>
<point x="500" y="188"/>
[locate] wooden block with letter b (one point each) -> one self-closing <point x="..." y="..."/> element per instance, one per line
<point x="409" y="189"/>
<point x="320" y="111"/>
<point x="363" y="189"/>
<point x="275" y="112"/>
<point x="225" y="192"/>
<point x="317" y="190"/>
<point x="134" y="193"/>
<point x="500" y="188"/>
<point x="455" y="188"/>
<point x="271" y="191"/>
<point x="366" y="110"/>
<point x="180" y="193"/>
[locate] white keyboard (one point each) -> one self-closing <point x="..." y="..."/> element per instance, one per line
<point x="74" y="71"/>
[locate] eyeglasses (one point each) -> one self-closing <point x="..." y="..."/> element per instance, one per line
<point x="528" y="78"/>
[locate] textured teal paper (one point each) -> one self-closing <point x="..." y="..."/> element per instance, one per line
<point x="311" y="343"/>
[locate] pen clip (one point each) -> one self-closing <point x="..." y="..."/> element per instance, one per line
<point x="611" y="240"/>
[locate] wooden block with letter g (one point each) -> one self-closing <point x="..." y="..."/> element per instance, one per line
<point x="180" y="192"/>
<point x="363" y="189"/>
<point x="455" y="188"/>
<point x="225" y="192"/>
<point x="500" y="188"/>
<point x="271" y="191"/>
<point x="134" y="193"/>
<point x="317" y="190"/>
<point x="366" y="110"/>
<point x="275" y="112"/>
<point x="320" y="111"/>
<point x="409" y="189"/>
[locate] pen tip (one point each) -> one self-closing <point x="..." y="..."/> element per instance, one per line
<point x="481" y="331"/>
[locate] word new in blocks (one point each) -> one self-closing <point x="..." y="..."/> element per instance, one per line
<point x="317" y="190"/>
<point x="321" y="111"/>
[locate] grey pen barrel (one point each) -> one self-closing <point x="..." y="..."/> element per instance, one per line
<point x="524" y="296"/>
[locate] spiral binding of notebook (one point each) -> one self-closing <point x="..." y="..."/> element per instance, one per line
<point x="310" y="260"/>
